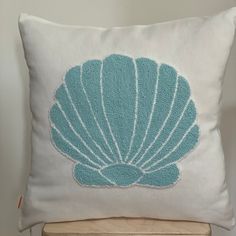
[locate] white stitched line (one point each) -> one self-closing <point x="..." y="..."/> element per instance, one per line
<point x="105" y="115"/>
<point x="96" y="121"/>
<point x="150" y="117"/>
<point x="86" y="165"/>
<point x="135" y="111"/>
<point x="149" y="172"/>
<point x="169" y="136"/>
<point x="75" y="148"/>
<point x="167" y="155"/>
<point x="75" y="132"/>
<point x="92" y="168"/>
<point x="109" y="180"/>
<point x="77" y="113"/>
<point x="163" y="125"/>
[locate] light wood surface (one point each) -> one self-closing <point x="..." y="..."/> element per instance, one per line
<point x="125" y="227"/>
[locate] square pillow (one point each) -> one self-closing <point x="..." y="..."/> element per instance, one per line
<point x="125" y="120"/>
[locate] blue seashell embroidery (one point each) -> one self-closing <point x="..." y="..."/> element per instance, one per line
<point x="124" y="122"/>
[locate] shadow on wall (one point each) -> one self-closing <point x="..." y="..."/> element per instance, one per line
<point x="228" y="134"/>
<point x="139" y="12"/>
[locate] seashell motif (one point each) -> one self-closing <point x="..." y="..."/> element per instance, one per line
<point x="124" y="122"/>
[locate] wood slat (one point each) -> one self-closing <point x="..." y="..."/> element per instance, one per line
<point x="126" y="226"/>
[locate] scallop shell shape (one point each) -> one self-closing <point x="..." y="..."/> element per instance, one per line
<point x="124" y="122"/>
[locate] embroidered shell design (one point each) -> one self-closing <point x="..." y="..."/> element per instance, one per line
<point x="124" y="122"/>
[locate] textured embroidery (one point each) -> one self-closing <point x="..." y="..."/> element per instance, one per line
<point x="124" y="122"/>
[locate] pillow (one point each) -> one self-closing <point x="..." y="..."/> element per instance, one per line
<point x="124" y="112"/>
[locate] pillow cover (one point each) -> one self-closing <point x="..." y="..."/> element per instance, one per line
<point x="124" y="112"/>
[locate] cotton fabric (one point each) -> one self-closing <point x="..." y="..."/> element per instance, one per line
<point x="198" y="48"/>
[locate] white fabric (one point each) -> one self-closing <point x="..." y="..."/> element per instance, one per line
<point x="198" y="48"/>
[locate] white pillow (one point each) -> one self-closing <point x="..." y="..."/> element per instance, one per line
<point x="126" y="120"/>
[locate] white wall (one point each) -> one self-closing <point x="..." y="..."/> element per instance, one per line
<point x="14" y="105"/>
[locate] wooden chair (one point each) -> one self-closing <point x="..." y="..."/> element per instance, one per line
<point x="125" y="227"/>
